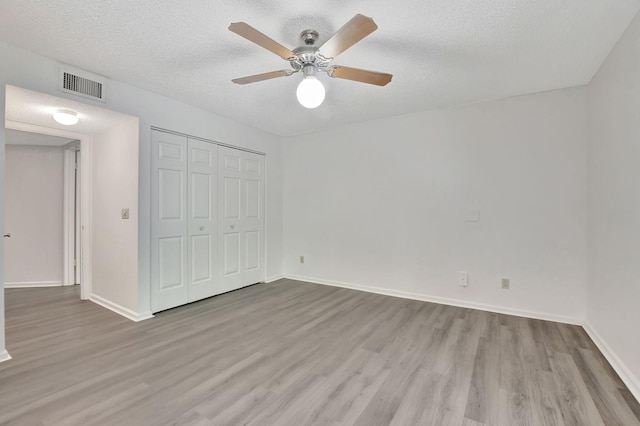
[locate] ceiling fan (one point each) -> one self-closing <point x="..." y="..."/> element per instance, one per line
<point x="311" y="59"/>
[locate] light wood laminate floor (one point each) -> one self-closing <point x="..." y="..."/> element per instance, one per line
<point x="292" y="353"/>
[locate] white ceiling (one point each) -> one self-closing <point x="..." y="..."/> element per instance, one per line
<point x="26" y="106"/>
<point x="17" y="137"/>
<point x="441" y="52"/>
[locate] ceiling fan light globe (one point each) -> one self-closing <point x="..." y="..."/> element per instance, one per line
<point x="310" y="92"/>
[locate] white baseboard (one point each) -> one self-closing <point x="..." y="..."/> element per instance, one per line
<point x="29" y="284"/>
<point x="121" y="310"/>
<point x="144" y="316"/>
<point x="443" y="300"/>
<point x="629" y="379"/>
<point x="273" y="278"/>
<point x="4" y="356"/>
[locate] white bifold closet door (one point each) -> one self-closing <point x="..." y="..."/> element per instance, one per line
<point x="184" y="223"/>
<point x="207" y="219"/>
<point x="241" y="212"/>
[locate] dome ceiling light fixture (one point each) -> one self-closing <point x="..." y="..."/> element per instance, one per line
<point x="66" y="117"/>
<point x="311" y="60"/>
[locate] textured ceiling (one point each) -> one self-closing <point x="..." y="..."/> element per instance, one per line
<point x="441" y="52"/>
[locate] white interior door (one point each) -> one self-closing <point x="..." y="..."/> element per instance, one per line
<point x="202" y="211"/>
<point x="169" y="225"/>
<point x="241" y="200"/>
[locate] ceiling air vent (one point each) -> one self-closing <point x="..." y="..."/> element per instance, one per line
<point x="82" y="84"/>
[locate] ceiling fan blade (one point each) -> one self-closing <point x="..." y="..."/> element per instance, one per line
<point x="262" y="77"/>
<point x="247" y="31"/>
<point x="352" y="32"/>
<point x="363" y="76"/>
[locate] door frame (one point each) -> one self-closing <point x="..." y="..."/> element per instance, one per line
<point x="71" y="214"/>
<point x="85" y="258"/>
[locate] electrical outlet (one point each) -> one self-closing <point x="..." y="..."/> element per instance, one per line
<point x="301" y="259"/>
<point x="505" y="283"/>
<point x="463" y="279"/>
<point x="473" y="216"/>
<point x="125" y="213"/>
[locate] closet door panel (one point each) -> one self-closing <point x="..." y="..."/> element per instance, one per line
<point x="169" y="277"/>
<point x="231" y="243"/>
<point x="252" y="245"/>
<point x="253" y="220"/>
<point x="241" y="176"/>
<point x="202" y="212"/>
<point x="170" y="255"/>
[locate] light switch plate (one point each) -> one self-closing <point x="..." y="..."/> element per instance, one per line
<point x="125" y="213"/>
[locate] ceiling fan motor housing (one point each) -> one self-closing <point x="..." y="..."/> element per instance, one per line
<point x="308" y="55"/>
<point x="309" y="37"/>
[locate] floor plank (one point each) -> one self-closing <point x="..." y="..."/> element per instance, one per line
<point x="294" y="353"/>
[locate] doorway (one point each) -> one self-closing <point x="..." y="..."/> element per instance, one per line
<point x="42" y="214"/>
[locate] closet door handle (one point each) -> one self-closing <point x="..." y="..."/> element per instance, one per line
<point x="202" y="228"/>
<point x="7" y="235"/>
<point x="233" y="227"/>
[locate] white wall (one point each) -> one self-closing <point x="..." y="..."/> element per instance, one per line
<point x="33" y="215"/>
<point x="613" y="297"/>
<point x="115" y="240"/>
<point x="28" y="70"/>
<point x="274" y="228"/>
<point x="383" y="204"/>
